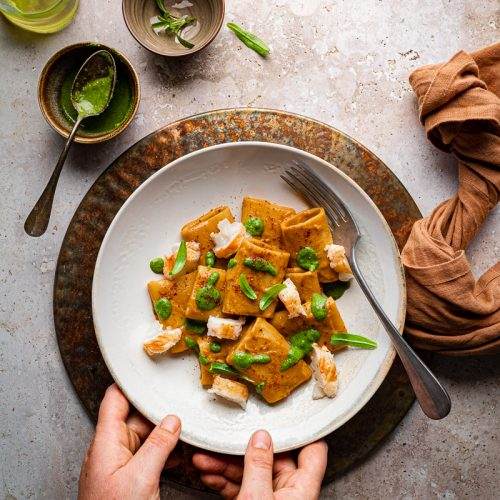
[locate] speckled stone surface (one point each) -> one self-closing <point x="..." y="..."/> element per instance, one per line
<point x="345" y="63"/>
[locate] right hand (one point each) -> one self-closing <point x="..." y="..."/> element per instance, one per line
<point x="263" y="476"/>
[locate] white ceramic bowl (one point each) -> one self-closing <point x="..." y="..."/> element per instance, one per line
<point x="148" y="225"/>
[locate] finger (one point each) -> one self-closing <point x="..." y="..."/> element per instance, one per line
<point x="284" y="462"/>
<point x="229" y="467"/>
<point x="258" y="473"/>
<point x="312" y="459"/>
<point x="113" y="411"/>
<point x="151" y="457"/>
<point x="225" y="487"/>
<point x="140" y="425"/>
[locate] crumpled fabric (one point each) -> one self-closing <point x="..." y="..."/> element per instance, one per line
<point x="448" y="310"/>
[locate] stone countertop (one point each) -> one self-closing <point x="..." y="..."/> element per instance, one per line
<point x="344" y="63"/>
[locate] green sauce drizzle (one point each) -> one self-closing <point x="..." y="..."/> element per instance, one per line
<point x="195" y="326"/>
<point x="260" y="264"/>
<point x="307" y="259"/>
<point x="156" y="265"/>
<point x="207" y="298"/>
<point x="163" y="308"/>
<point x="243" y="360"/>
<point x="300" y="345"/>
<point x="318" y="306"/>
<point x="336" y="290"/>
<point x="254" y="226"/>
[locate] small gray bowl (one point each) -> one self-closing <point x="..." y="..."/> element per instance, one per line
<point x="208" y="13"/>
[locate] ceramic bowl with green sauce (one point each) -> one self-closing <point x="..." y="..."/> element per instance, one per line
<point x="54" y="94"/>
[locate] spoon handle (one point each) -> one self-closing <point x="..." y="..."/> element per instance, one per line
<point x="38" y="219"/>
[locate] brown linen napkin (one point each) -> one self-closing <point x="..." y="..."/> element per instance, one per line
<point x="448" y="310"/>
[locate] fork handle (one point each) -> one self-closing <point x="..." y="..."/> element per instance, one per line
<point x="432" y="396"/>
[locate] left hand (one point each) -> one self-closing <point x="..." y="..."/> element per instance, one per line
<point x="116" y="464"/>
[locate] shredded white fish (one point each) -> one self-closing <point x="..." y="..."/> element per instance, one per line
<point x="338" y="261"/>
<point x="224" y="328"/>
<point x="233" y="391"/>
<point x="291" y="299"/>
<point x="163" y="341"/>
<point x="325" y="372"/>
<point x="229" y="238"/>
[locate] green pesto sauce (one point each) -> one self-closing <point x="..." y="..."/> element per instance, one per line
<point x="115" y="114"/>
<point x="93" y="97"/>
<point x="300" y="345"/>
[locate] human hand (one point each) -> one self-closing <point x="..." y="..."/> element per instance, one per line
<point x="263" y="476"/>
<point x="116" y="465"/>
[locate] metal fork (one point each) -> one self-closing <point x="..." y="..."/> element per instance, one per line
<point x="432" y="396"/>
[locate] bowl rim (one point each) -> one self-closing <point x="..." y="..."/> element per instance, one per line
<point x="62" y="131"/>
<point x="385" y="365"/>
<point x="185" y="53"/>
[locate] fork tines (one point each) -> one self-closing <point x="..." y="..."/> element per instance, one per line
<point x="305" y="181"/>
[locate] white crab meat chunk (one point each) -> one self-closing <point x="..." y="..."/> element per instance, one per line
<point x="192" y="259"/>
<point x="233" y="391"/>
<point x="224" y="328"/>
<point x="338" y="261"/>
<point x="229" y="238"/>
<point x="291" y="299"/>
<point x="325" y="372"/>
<point x="162" y="342"/>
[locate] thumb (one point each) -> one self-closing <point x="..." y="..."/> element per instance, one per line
<point x="258" y="473"/>
<point x="151" y="457"/>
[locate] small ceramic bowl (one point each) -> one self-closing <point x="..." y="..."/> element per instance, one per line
<point x="57" y="76"/>
<point x="140" y="14"/>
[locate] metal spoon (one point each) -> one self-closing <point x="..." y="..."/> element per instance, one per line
<point x="99" y="65"/>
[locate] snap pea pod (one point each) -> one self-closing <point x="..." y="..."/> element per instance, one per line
<point x="180" y="259"/>
<point x="269" y="295"/>
<point x="350" y="339"/>
<point x="246" y="288"/>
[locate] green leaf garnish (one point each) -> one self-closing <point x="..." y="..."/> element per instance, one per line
<point x="307" y="259"/>
<point x="246" y="288"/>
<point x="249" y="39"/>
<point x="195" y="326"/>
<point x="336" y="289"/>
<point x="260" y="264"/>
<point x="254" y="226"/>
<point x="318" y="306"/>
<point x="269" y="295"/>
<point x="350" y="339"/>
<point x="163" y="308"/>
<point x="173" y="25"/>
<point x="180" y="259"/>
<point x="210" y="259"/>
<point x="231" y="263"/>
<point x="156" y="265"/>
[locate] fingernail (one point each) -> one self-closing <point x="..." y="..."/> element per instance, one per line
<point x="170" y="423"/>
<point x="261" y="440"/>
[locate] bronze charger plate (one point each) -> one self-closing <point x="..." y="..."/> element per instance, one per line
<point x="87" y="371"/>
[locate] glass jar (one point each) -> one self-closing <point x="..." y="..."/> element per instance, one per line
<point x="41" y="16"/>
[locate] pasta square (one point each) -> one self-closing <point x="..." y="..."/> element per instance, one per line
<point x="270" y="213"/>
<point x="262" y="338"/>
<point x="307" y="282"/>
<point x="235" y="300"/>
<point x="202" y="276"/>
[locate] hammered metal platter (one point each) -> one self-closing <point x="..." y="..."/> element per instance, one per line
<point x="73" y="280"/>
